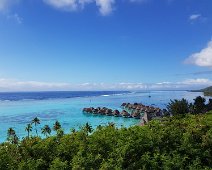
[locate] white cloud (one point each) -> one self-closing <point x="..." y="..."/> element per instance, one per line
<point x="202" y="58"/>
<point x="187" y="84"/>
<point x="105" y="6"/>
<point x="16" y="85"/>
<point x="197" y="81"/>
<point x="5" y="10"/>
<point x="197" y="17"/>
<point x="194" y="16"/>
<point x="16" y="18"/>
<point x="6" y="4"/>
<point x="67" y="5"/>
<point x="165" y="82"/>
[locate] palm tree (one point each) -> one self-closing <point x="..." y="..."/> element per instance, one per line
<point x="15" y="139"/>
<point x="28" y="129"/>
<point x="60" y="133"/>
<point x="10" y="133"/>
<point x="57" y="126"/>
<point x="36" y="121"/>
<point x="88" y="128"/>
<point x="46" y="130"/>
<point x="11" y="136"/>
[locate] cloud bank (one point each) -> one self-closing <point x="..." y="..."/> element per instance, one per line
<point x="15" y="85"/>
<point x="105" y="6"/>
<point x="202" y="58"/>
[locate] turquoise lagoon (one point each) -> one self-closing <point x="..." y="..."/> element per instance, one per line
<point x="18" y="113"/>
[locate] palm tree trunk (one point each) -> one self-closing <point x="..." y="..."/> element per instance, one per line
<point x="36" y="129"/>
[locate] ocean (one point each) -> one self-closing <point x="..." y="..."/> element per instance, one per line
<point x="17" y="109"/>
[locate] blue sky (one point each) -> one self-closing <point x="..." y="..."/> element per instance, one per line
<point x="105" y="44"/>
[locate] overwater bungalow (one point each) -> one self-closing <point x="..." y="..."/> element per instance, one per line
<point x="116" y="113"/>
<point x="125" y="114"/>
<point x="136" y="110"/>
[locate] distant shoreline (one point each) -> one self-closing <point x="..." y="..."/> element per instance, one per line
<point x="58" y="91"/>
<point x="207" y="91"/>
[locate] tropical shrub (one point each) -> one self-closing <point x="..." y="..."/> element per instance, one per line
<point x="199" y="105"/>
<point x="178" y="107"/>
<point x="209" y="105"/>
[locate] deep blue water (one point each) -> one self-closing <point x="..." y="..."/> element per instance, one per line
<point x="18" y="109"/>
<point x="15" y="96"/>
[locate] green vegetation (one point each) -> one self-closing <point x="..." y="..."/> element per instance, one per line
<point x="199" y="105"/>
<point x="177" y="107"/>
<point x="172" y="143"/>
<point x="46" y="130"/>
<point x="182" y="107"/>
<point x="11" y="136"/>
<point x="36" y="121"/>
<point x="28" y="129"/>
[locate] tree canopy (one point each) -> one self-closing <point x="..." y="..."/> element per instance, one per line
<point x="171" y="143"/>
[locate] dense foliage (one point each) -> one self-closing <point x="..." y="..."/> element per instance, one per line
<point x="176" y="107"/>
<point x="182" y="107"/>
<point x="172" y="143"/>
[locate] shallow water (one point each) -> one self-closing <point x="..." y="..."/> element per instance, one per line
<point x="68" y="110"/>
